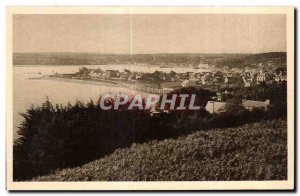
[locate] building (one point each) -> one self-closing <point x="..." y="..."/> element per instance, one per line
<point x="167" y="90"/>
<point x="138" y="76"/>
<point x="230" y="79"/>
<point x="251" y="104"/>
<point x="261" y="76"/>
<point x="191" y="75"/>
<point x="247" y="78"/>
<point x="207" y="79"/>
<point x="187" y="83"/>
<point x="125" y="74"/>
<point x="97" y="73"/>
<point x="112" y="74"/>
<point x="247" y="69"/>
<point x="280" y="77"/>
<point x="198" y="76"/>
<point x="184" y="83"/>
<point x="218" y="78"/>
<point x="236" y="70"/>
<point x="83" y="71"/>
<point x="203" y="65"/>
<point x="215" y="107"/>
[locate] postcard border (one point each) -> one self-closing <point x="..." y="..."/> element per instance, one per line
<point x="165" y="185"/>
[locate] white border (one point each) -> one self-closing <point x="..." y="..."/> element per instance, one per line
<point x="242" y="185"/>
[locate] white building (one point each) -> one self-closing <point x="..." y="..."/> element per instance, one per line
<point x="215" y="107"/>
<point x="251" y="104"/>
<point x="261" y="76"/>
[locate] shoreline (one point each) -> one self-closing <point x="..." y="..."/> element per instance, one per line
<point x="78" y="81"/>
<point x="107" y="83"/>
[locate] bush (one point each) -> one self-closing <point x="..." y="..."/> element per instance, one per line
<point x="60" y="137"/>
<point x="53" y="137"/>
<point x="256" y="151"/>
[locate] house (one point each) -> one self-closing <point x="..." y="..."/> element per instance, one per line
<point x="251" y="104"/>
<point x="92" y="73"/>
<point x="191" y="75"/>
<point x="247" y="78"/>
<point x="158" y="75"/>
<point x="154" y="111"/>
<point x="172" y="76"/>
<point x="218" y="77"/>
<point x="230" y="79"/>
<point x="280" y="77"/>
<point x="219" y="96"/>
<point x="203" y="65"/>
<point x="183" y="76"/>
<point x="253" y="71"/>
<point x="225" y="69"/>
<point x="97" y="73"/>
<point x="138" y="76"/>
<point x="270" y="63"/>
<point x="207" y="79"/>
<point x="215" y="107"/>
<point x="83" y="71"/>
<point x="198" y="76"/>
<point x="184" y="83"/>
<point x="236" y="70"/>
<point x="167" y="90"/>
<point x="125" y="74"/>
<point x="112" y="74"/>
<point x="247" y="69"/>
<point x="187" y="83"/>
<point x="261" y="76"/>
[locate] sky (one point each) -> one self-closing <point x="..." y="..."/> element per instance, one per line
<point x="173" y="33"/>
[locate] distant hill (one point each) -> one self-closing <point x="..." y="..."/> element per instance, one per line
<point x="256" y="151"/>
<point x="234" y="60"/>
<point x="275" y="58"/>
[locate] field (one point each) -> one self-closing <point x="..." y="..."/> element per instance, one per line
<point x="256" y="151"/>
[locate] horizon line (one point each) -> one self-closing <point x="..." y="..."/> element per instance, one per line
<point x="154" y="53"/>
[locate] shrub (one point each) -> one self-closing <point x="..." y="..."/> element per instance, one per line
<point x="53" y="137"/>
<point x="256" y="151"/>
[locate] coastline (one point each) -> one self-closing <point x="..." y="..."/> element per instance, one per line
<point x="91" y="82"/>
<point x="104" y="82"/>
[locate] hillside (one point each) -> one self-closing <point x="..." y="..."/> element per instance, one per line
<point x="232" y="60"/>
<point x="256" y="151"/>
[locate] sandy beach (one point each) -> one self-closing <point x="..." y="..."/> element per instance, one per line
<point x="91" y="82"/>
<point x="108" y="83"/>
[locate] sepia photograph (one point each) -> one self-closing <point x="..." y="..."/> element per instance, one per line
<point x="150" y="98"/>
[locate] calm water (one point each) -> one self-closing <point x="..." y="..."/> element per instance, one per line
<point x="27" y="91"/>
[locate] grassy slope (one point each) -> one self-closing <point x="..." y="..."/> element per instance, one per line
<point x="251" y="152"/>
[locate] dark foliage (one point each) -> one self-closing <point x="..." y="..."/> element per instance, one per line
<point x="255" y="151"/>
<point x="54" y="137"/>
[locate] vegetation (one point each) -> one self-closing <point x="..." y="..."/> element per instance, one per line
<point x="278" y="58"/>
<point x="255" y="151"/>
<point x="56" y="137"/>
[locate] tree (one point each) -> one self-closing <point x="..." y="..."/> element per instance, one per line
<point x="234" y="106"/>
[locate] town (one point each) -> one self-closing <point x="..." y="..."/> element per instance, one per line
<point x="224" y="80"/>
